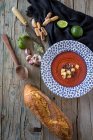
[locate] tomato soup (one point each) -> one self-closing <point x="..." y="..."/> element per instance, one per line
<point x="72" y="58"/>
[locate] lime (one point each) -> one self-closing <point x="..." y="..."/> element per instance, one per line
<point x="22" y="41"/>
<point x="77" y="31"/>
<point x="62" y="24"/>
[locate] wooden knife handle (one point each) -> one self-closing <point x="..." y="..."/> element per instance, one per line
<point x="7" y="43"/>
<point x="17" y="13"/>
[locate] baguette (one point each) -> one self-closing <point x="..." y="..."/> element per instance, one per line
<point x="47" y="112"/>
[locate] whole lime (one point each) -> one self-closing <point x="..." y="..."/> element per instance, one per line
<point x="77" y="31"/>
<point x="22" y="41"/>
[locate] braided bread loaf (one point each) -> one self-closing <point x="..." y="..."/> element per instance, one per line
<point x="47" y="112"/>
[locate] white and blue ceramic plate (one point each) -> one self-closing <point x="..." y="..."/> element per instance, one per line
<point x="55" y="87"/>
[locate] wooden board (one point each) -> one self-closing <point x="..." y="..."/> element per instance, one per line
<point x="16" y="121"/>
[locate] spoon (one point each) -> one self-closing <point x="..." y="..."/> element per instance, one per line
<point x="21" y="71"/>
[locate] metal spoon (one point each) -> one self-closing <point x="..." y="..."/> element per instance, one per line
<point x="21" y="71"/>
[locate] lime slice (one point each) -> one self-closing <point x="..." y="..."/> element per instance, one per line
<point x="77" y="31"/>
<point x="62" y="24"/>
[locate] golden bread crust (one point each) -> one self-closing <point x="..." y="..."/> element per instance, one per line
<point x="47" y="112"/>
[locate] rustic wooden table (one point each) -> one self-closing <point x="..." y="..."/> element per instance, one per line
<point x="16" y="121"/>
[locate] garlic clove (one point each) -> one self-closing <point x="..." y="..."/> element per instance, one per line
<point x="31" y="62"/>
<point x="37" y="57"/>
<point x="28" y="57"/>
<point x="27" y="52"/>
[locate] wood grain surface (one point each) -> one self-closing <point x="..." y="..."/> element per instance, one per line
<point x="16" y="121"/>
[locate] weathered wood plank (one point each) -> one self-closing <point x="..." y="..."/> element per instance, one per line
<point x="15" y="113"/>
<point x="84" y="112"/>
<point x="9" y="85"/>
<point x="84" y="119"/>
<point x="91" y="110"/>
<point x="68" y="3"/>
<point x="2" y="6"/>
<point x="89" y="7"/>
<point x="69" y="107"/>
<point x="89" y="11"/>
<point x="79" y="5"/>
<point x="18" y="121"/>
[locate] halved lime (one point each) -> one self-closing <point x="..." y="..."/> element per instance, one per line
<point x="62" y="24"/>
<point x="77" y="31"/>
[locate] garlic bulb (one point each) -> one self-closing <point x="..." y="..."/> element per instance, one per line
<point x="36" y="60"/>
<point x="28" y="57"/>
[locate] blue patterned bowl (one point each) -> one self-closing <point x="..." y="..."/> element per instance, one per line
<point x="54" y="86"/>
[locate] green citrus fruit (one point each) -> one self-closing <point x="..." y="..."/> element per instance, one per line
<point x="77" y="31"/>
<point x="62" y="24"/>
<point x="22" y="41"/>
